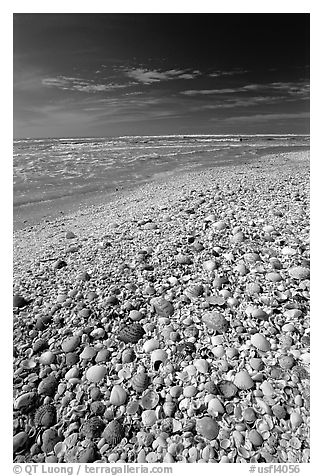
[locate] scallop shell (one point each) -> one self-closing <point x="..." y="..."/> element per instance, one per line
<point x="215" y="407"/>
<point x="201" y="365"/>
<point x="96" y="373"/>
<point x="162" y="307"/>
<point x="148" y="417"/>
<point x="48" y="386"/>
<point x="243" y="380"/>
<point x="227" y="388"/>
<point x="92" y="428"/>
<point x="140" y="382"/>
<point x="216" y="321"/>
<point x="113" y="433"/>
<point x="118" y="395"/>
<point x="131" y="333"/>
<point x="260" y="342"/>
<point x="149" y="399"/>
<point x="169" y="408"/>
<point x="128" y="355"/>
<point x="207" y="427"/>
<point x="45" y="416"/>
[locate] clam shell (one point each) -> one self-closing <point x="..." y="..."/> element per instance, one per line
<point x="209" y="265"/>
<point x="169" y="408"/>
<point x="92" y="428"/>
<point x="113" y="433"/>
<point x="260" y="342"/>
<point x="150" y="345"/>
<point x="253" y="288"/>
<point x="135" y="315"/>
<point x="128" y="355"/>
<point x="149" y="399"/>
<point x="88" y="353"/>
<point x="299" y="272"/>
<point x="45" y="416"/>
<point x="255" y="438"/>
<point x="162" y="307"/>
<point x="243" y="380"/>
<point x="70" y="344"/>
<point x="131" y="333"/>
<point x="28" y="364"/>
<point x="140" y="382"/>
<point x="96" y="373"/>
<point x="207" y="427"/>
<point x="47" y="358"/>
<point x="227" y="388"/>
<point x="201" y="365"/>
<point x="19" y="441"/>
<point x="215" y="407"/>
<point x="148" y="417"/>
<point x="24" y="401"/>
<point x="118" y="395"/>
<point x="249" y="415"/>
<point x="48" y="386"/>
<point x="295" y="420"/>
<point x="216" y="321"/>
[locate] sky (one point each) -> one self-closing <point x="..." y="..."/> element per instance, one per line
<point x="102" y="75"/>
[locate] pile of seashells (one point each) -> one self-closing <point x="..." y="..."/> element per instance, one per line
<point x="185" y="339"/>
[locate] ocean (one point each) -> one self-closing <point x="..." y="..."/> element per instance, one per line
<point x="50" y="173"/>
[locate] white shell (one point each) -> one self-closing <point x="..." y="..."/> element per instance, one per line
<point x="159" y="355"/>
<point x="214" y="407"/>
<point x="118" y="395"/>
<point x="243" y="380"/>
<point x="260" y="342"/>
<point x="150" y="345"/>
<point x="201" y="365"/>
<point x="96" y="373"/>
<point x="148" y="417"/>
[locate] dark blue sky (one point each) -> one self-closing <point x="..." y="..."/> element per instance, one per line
<point x="123" y="74"/>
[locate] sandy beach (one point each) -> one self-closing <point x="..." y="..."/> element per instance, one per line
<point x="169" y="324"/>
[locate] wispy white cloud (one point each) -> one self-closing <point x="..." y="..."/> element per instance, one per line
<point x="79" y="84"/>
<point x="265" y="117"/>
<point x="291" y="88"/>
<point x="147" y="76"/>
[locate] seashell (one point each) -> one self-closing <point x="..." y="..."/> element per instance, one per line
<point x="256" y="363"/>
<point x="128" y="355"/>
<point x="216" y="300"/>
<point x="194" y="291"/>
<point x="255" y="438"/>
<point x="219" y="225"/>
<point x="209" y="265"/>
<point x="131" y="333"/>
<point x="238" y="438"/>
<point x="210" y="387"/>
<point x="39" y="344"/>
<point x="19" y="301"/>
<point x="260" y="342"/>
<point x="88" y="353"/>
<point x="92" y="428"/>
<point x="102" y="356"/>
<point x="140" y="382"/>
<point x="189" y="391"/>
<point x="207" y="427"/>
<point x="158" y="357"/>
<point x="47" y="358"/>
<point x="249" y="415"/>
<point x="169" y="408"/>
<point x="295" y="420"/>
<point x="227" y="388"/>
<point x="215" y="407"/>
<point x="242" y="269"/>
<point x="253" y="288"/>
<point x="48" y="386"/>
<point x="168" y="458"/>
<point x="45" y="416"/>
<point x="132" y="407"/>
<point x="286" y="361"/>
<point x="24" y="401"/>
<point x="299" y="272"/>
<point x="267" y="389"/>
<point x="218" y="351"/>
<point x="118" y="395"/>
<point x="184" y="259"/>
<point x="149" y="399"/>
<point x="96" y="373"/>
<point x="113" y="433"/>
<point x="216" y="321"/>
<point x="201" y="365"/>
<point x="70" y="344"/>
<point x="274" y="277"/>
<point x="243" y="380"/>
<point x="50" y="438"/>
<point x="259" y="314"/>
<point x="148" y="417"/>
<point x="28" y="364"/>
<point x="135" y="315"/>
<point x="84" y="276"/>
<point x="150" y="345"/>
<point x="162" y="307"/>
<point x="19" y="441"/>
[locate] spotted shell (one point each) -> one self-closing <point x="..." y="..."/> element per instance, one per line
<point x="140" y="382"/>
<point x="48" y="386"/>
<point x="92" y="428"/>
<point x="243" y="380"/>
<point x="162" y="307"/>
<point x="131" y="333"/>
<point x="286" y="361"/>
<point x="128" y="355"/>
<point x="216" y="321"/>
<point x="113" y="433"/>
<point x="260" y="342"/>
<point x="45" y="416"/>
<point x="227" y="388"/>
<point x="149" y="399"/>
<point x="169" y="408"/>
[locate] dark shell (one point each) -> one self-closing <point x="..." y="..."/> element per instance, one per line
<point x="40" y="344"/>
<point x="227" y="388"/>
<point x="45" y="416"/>
<point x="186" y="347"/>
<point x="49" y="440"/>
<point x="131" y="333"/>
<point x="128" y="355"/>
<point x="92" y="428"/>
<point x="194" y="291"/>
<point x="301" y="372"/>
<point x="19" y="301"/>
<point x="42" y="322"/>
<point x="48" y="386"/>
<point x="149" y="399"/>
<point x="162" y="307"/>
<point x="140" y="382"/>
<point x="216" y="321"/>
<point x="113" y="433"/>
<point x="97" y="408"/>
<point x="59" y="264"/>
<point x="87" y="455"/>
<point x="70" y="344"/>
<point x="210" y="387"/>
